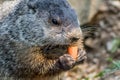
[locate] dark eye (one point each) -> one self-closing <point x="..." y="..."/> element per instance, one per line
<point x="55" y="22"/>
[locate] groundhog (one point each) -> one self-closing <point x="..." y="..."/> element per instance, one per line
<point x="34" y="38"/>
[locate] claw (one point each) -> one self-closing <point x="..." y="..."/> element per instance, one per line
<point x="81" y="57"/>
<point x="66" y="62"/>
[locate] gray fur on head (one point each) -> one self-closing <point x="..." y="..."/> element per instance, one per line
<point x="30" y="22"/>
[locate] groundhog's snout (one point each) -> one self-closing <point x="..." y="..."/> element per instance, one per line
<point x="74" y="39"/>
<point x="74" y="33"/>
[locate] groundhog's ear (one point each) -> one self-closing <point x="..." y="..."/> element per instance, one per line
<point x="32" y="4"/>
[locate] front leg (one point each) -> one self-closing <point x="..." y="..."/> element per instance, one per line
<point x="66" y="62"/>
<point x="81" y="57"/>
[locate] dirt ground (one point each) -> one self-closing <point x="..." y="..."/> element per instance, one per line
<point x="98" y="46"/>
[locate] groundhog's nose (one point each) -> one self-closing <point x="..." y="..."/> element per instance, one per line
<point x="74" y="33"/>
<point x="74" y="39"/>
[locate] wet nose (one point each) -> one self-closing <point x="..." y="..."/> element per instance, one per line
<point x="74" y="39"/>
<point x="75" y="34"/>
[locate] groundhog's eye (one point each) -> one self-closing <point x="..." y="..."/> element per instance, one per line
<point x="56" y="21"/>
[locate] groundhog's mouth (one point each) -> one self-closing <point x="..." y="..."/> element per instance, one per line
<point x="54" y="51"/>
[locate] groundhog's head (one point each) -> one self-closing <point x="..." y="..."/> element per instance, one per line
<point x="46" y="23"/>
<point x="50" y="24"/>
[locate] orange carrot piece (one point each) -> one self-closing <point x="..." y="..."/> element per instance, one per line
<point x="73" y="50"/>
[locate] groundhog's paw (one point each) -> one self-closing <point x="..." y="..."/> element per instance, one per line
<point x="66" y="62"/>
<point x="81" y="57"/>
